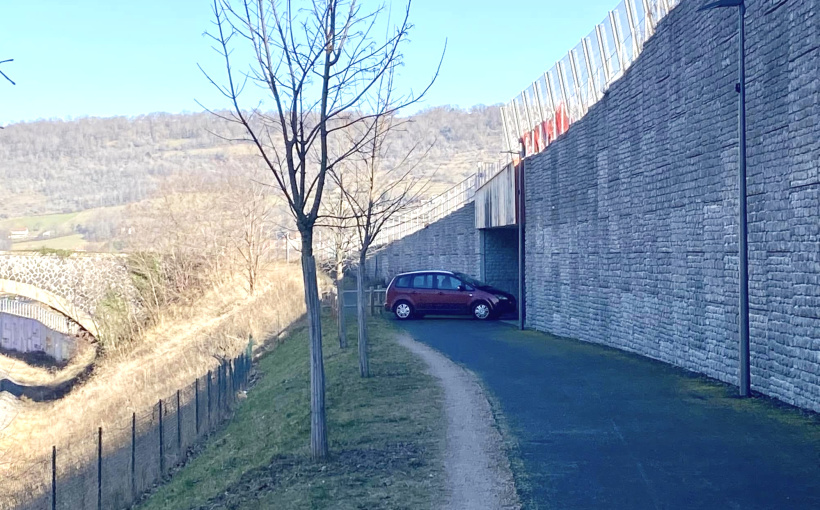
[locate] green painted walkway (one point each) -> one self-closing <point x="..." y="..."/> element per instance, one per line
<point x="599" y="428"/>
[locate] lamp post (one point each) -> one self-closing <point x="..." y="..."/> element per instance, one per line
<point x="744" y="383"/>
<point x="520" y="217"/>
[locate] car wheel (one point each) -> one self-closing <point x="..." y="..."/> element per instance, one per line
<point x="482" y="311"/>
<point x="403" y="310"/>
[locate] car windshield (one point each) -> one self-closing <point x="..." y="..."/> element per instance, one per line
<point x="469" y="280"/>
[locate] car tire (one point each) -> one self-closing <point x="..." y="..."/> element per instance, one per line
<point x="403" y="310"/>
<point x="481" y="310"/>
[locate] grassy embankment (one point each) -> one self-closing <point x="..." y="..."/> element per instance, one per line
<point x="386" y="435"/>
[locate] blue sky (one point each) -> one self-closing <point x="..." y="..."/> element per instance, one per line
<point x="76" y="58"/>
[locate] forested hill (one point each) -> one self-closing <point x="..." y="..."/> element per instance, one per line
<point x="54" y="166"/>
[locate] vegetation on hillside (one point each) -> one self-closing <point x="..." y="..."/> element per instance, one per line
<point x="56" y="166"/>
<point x="186" y="340"/>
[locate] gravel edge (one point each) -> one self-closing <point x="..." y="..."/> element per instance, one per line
<point x="476" y="464"/>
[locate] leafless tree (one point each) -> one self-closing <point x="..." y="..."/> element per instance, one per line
<point x="4" y="75"/>
<point x="375" y="191"/>
<point x="315" y="64"/>
<point x="338" y="222"/>
<point x="250" y="204"/>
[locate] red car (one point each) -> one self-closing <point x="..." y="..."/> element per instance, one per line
<point x="445" y="293"/>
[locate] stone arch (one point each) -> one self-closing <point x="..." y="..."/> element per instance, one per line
<point x="56" y="302"/>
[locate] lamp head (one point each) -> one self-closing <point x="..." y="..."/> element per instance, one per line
<point x="721" y="3"/>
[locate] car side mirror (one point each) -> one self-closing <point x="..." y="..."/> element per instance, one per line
<point x="462" y="288"/>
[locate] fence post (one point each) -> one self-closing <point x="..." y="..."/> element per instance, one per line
<point x="196" y="405"/>
<point x="218" y="391"/>
<point x="54" y="477"/>
<point x="208" y="382"/>
<point x="161" y="445"/>
<point x="134" y="456"/>
<point x="179" y="426"/>
<point x="232" y="380"/>
<point x="99" y="470"/>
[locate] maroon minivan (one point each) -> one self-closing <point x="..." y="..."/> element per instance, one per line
<point x="421" y="293"/>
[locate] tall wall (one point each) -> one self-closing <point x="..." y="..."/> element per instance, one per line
<point x="632" y="231"/>
<point x="451" y="243"/>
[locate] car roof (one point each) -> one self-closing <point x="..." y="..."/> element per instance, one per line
<point x="439" y="271"/>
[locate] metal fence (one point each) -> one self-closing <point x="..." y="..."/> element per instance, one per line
<point x="547" y="108"/>
<point x="564" y="94"/>
<point x="114" y="467"/>
<point x="49" y="318"/>
<point x="428" y="212"/>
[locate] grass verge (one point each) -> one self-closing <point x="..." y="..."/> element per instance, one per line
<point x="386" y="435"/>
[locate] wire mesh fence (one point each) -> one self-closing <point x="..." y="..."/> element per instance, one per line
<point x="113" y="467"/>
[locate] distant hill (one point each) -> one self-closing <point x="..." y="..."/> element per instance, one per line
<point x="52" y="166"/>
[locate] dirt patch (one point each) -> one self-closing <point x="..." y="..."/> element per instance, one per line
<point x="476" y="464"/>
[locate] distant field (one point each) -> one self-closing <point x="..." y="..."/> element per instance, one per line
<point x="40" y="223"/>
<point x="73" y="242"/>
<point x="61" y="225"/>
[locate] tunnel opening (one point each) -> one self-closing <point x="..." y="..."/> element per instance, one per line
<point x="499" y="258"/>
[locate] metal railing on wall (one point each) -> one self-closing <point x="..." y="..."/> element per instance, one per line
<point x="51" y="319"/>
<point x="564" y="94"/>
<point x="546" y="109"/>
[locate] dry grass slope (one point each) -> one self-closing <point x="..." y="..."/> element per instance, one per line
<point x="172" y="355"/>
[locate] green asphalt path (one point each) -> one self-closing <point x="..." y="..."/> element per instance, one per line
<point x="600" y="428"/>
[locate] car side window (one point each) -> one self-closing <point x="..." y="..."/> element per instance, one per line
<point x="403" y="282"/>
<point x="446" y="282"/>
<point x="423" y="281"/>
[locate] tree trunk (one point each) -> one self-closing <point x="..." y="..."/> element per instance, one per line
<point x="340" y="312"/>
<point x="318" y="424"/>
<point x="361" y="309"/>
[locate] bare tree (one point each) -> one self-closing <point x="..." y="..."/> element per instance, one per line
<point x="339" y="224"/>
<point x="251" y="233"/>
<point x="315" y="64"/>
<point x="4" y="75"/>
<point x="376" y="192"/>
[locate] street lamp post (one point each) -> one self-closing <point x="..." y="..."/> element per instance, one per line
<point x="744" y="383"/>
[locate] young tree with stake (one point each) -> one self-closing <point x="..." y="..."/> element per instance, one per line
<point x="315" y="64"/>
<point x="376" y="192"/>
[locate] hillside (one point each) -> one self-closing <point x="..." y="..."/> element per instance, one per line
<point x="57" y="167"/>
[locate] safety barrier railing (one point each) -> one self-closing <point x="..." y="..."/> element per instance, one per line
<point x="564" y="94"/>
<point x="545" y="110"/>
<point x="52" y="320"/>
<point x="429" y="212"/>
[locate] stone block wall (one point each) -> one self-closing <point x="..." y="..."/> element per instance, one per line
<point x="82" y="279"/>
<point x="632" y="229"/>
<point x="452" y="243"/>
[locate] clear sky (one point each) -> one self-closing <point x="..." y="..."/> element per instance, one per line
<point x="75" y="58"/>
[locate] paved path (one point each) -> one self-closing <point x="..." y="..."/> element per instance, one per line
<point x="598" y="428"/>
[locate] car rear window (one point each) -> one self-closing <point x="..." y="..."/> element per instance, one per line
<point x="423" y="281"/>
<point x="403" y="282"/>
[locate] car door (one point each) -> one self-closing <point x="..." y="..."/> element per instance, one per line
<point x="424" y="295"/>
<point x="451" y="299"/>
